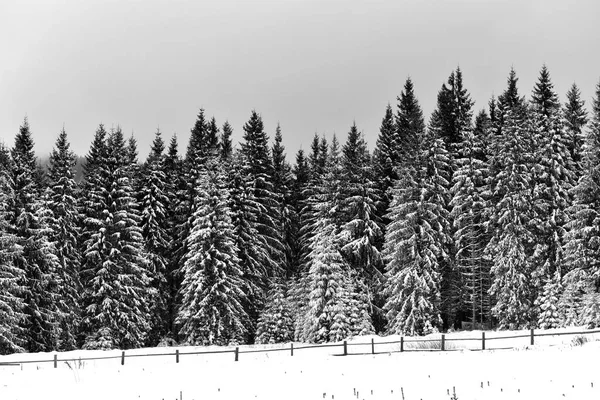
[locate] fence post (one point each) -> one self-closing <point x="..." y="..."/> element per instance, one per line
<point x="372" y="346"/>
<point x="401" y="344"/>
<point x="345" y="348"/>
<point x="55" y="361"/>
<point x="532" y="336"/>
<point x="292" y="349"/>
<point x="482" y="340"/>
<point x="443" y="342"/>
<point x="237" y="352"/>
<point x="123" y="357"/>
<point x="177" y="356"/>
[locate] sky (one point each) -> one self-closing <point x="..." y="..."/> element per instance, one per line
<point x="313" y="66"/>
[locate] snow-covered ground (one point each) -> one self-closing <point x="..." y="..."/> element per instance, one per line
<point x="553" y="368"/>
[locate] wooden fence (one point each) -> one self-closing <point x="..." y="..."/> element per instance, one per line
<point x="443" y="341"/>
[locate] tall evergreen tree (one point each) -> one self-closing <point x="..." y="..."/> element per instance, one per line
<point x="154" y="224"/>
<point x="553" y="179"/>
<point x="583" y="250"/>
<point x="226" y="145"/>
<point x="117" y="292"/>
<point x="212" y="310"/>
<point x="63" y="223"/>
<point x="11" y="277"/>
<point x="409" y="122"/>
<point x="575" y="120"/>
<point x="37" y="260"/>
<point x="510" y="248"/>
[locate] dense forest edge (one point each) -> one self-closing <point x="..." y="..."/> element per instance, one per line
<point x="470" y="220"/>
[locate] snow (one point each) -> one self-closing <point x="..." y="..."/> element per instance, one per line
<point x="551" y="369"/>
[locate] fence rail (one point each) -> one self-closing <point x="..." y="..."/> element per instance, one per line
<point x="443" y="341"/>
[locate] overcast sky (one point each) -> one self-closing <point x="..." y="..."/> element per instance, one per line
<point x="312" y="66"/>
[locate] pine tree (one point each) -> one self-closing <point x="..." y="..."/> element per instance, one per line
<point x="412" y="287"/>
<point x="282" y="182"/>
<point x="386" y="157"/>
<point x="11" y="277"/>
<point x="582" y="249"/>
<point x="275" y="324"/>
<point x="226" y="146"/>
<point x="332" y="312"/>
<point x="258" y="168"/>
<point x="117" y="292"/>
<point x="361" y="233"/>
<point x="154" y="224"/>
<point x="575" y="120"/>
<point x="64" y="233"/>
<point x="409" y="122"/>
<point x="468" y="209"/>
<point x="554" y="174"/>
<point x="175" y="185"/>
<point x="510" y="248"/>
<point x="212" y="310"/>
<point x="37" y="260"/>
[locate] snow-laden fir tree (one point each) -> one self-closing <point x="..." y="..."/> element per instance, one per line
<point x="226" y="147"/>
<point x="554" y="172"/>
<point x="333" y="310"/>
<point x="416" y="240"/>
<point x="288" y="218"/>
<point x="582" y="282"/>
<point x="276" y="322"/>
<point x="550" y="314"/>
<point x="175" y="184"/>
<point x="360" y="235"/>
<point x="154" y="202"/>
<point x="575" y="116"/>
<point x="409" y="123"/>
<point x="11" y="277"/>
<point x="257" y="166"/>
<point x="37" y="260"/>
<point x="212" y="308"/>
<point x="64" y="220"/>
<point x="511" y="212"/>
<point x="117" y="282"/>
<point x="467" y="212"/>
<point x="386" y="160"/>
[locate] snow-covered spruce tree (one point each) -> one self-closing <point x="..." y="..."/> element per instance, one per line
<point x="412" y="287"/>
<point x="409" y="123"/>
<point x="154" y="202"/>
<point x="63" y="222"/>
<point x="510" y="193"/>
<point x="226" y="147"/>
<point x="450" y="121"/>
<point x="252" y="247"/>
<point x="386" y="160"/>
<point x="175" y="185"/>
<point x="360" y="233"/>
<point x="37" y="260"/>
<point x="117" y="283"/>
<point x="276" y="323"/>
<point x="212" y="309"/>
<point x="288" y="218"/>
<point x="554" y="172"/>
<point x="582" y="282"/>
<point x="258" y="168"/>
<point x="11" y="277"/>
<point x="549" y="313"/>
<point x="197" y="153"/>
<point x="575" y="116"/>
<point x="467" y="213"/>
<point x="333" y="311"/>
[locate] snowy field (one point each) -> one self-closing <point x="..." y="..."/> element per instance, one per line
<point x="556" y="367"/>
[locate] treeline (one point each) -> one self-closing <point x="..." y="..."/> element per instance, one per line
<point x="492" y="219"/>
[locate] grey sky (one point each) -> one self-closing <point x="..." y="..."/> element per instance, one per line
<point x="314" y="66"/>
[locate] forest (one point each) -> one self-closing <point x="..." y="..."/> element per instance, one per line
<point x="490" y="218"/>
